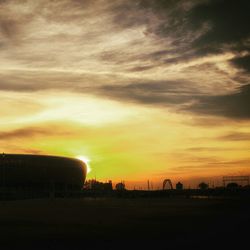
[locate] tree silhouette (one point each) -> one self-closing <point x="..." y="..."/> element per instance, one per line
<point x="120" y="186"/>
<point x="203" y="186"/>
<point x="232" y="185"/>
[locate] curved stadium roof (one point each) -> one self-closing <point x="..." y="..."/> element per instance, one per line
<point x="27" y="169"/>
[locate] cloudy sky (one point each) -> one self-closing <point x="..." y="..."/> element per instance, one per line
<point x="146" y="89"/>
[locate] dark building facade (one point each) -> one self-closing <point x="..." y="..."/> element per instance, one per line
<point x="41" y="173"/>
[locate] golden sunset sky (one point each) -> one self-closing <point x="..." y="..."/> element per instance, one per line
<point x="144" y="89"/>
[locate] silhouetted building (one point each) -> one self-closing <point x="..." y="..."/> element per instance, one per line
<point x="120" y="186"/>
<point x="179" y="186"/>
<point x="97" y="185"/>
<point x="40" y="174"/>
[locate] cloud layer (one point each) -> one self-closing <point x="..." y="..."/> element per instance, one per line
<point x="193" y="55"/>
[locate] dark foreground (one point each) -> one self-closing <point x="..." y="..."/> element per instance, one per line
<point x="118" y="223"/>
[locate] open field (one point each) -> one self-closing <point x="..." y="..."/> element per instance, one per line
<point x="112" y="222"/>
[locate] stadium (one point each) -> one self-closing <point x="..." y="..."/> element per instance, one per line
<point x="40" y="175"/>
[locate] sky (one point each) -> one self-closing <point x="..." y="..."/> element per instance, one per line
<point x="145" y="89"/>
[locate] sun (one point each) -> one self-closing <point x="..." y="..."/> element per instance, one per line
<point x="86" y="160"/>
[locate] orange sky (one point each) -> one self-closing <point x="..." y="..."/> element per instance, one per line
<point x="135" y="87"/>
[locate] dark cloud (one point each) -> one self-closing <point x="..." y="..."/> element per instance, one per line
<point x="141" y="68"/>
<point x="23" y="132"/>
<point x="209" y="149"/>
<point x="235" y="163"/>
<point x="8" y="27"/>
<point x="212" y="165"/>
<point x="235" y="105"/>
<point x="177" y="31"/>
<point x="191" y="29"/>
<point x="228" y="19"/>
<point x="242" y="63"/>
<point x="182" y="95"/>
<point x="236" y="136"/>
<point x="29" y="132"/>
<point x="196" y="28"/>
<point x="183" y="98"/>
<point x="161" y="93"/>
<point x="11" y="23"/>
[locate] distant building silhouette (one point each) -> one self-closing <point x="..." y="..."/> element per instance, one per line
<point x="97" y="185"/>
<point x="120" y="186"/>
<point x="179" y="186"/>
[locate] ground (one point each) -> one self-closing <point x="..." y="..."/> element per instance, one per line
<point x="110" y="223"/>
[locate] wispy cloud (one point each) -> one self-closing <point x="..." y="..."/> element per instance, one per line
<point x="29" y="132"/>
<point x="162" y="53"/>
<point x="235" y="136"/>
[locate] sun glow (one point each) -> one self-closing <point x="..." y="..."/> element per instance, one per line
<point x="86" y="161"/>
